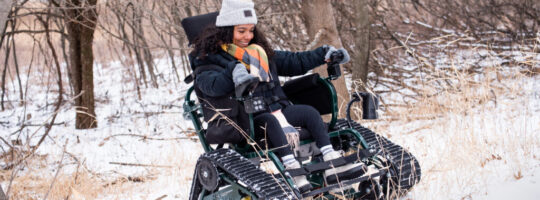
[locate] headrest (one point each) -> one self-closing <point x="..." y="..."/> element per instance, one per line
<point x="194" y="26"/>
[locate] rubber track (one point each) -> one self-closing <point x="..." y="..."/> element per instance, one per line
<point x="257" y="181"/>
<point x="405" y="165"/>
<point x="196" y="187"/>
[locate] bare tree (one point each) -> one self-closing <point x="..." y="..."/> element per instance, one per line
<point x="5" y="7"/>
<point x="80" y="19"/>
<point x="321" y="28"/>
<point x="360" y="52"/>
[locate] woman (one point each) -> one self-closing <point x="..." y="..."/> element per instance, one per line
<point x="245" y="56"/>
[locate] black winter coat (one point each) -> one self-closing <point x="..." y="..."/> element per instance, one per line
<point x="216" y="87"/>
<point x="283" y="63"/>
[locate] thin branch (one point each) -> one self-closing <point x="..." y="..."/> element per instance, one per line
<point x="144" y="137"/>
<point x="141" y="165"/>
<point x="35" y="32"/>
<point x="60" y="165"/>
<point x="37" y="13"/>
<point x="59" y="82"/>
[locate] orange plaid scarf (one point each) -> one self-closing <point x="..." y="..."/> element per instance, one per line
<point x="256" y="61"/>
<point x="253" y="57"/>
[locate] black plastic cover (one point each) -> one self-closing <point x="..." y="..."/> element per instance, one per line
<point x="308" y="90"/>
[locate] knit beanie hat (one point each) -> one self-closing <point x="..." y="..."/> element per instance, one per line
<point x="235" y="12"/>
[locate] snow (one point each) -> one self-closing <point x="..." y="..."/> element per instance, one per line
<point x="490" y="152"/>
<point x="469" y="155"/>
<point x="525" y="188"/>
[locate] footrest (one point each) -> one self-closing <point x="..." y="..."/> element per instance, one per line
<point x="318" y="167"/>
<point x="345" y="183"/>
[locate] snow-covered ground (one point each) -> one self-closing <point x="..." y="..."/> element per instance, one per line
<point x="144" y="148"/>
<point x="491" y="149"/>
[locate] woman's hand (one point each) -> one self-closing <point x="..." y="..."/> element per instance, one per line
<point x="243" y="80"/>
<point x="241" y="75"/>
<point x="331" y="49"/>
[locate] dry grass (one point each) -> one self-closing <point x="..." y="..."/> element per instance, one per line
<point x="37" y="178"/>
<point x="470" y="137"/>
<point x="35" y="182"/>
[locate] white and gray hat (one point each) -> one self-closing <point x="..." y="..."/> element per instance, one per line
<point x="235" y="12"/>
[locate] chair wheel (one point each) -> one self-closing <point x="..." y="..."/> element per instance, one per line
<point x="207" y="174"/>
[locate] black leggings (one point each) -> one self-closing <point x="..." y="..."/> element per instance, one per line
<point x="298" y="116"/>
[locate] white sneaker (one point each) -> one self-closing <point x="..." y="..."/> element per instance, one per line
<point x="301" y="181"/>
<point x="345" y="172"/>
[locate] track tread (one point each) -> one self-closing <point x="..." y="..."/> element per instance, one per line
<point x="257" y="181"/>
<point x="405" y="164"/>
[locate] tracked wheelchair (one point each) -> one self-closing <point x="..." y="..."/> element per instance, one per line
<point x="235" y="172"/>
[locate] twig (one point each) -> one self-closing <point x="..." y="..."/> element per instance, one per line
<point x="60" y="123"/>
<point x="12" y="178"/>
<point x="75" y="180"/>
<point x="418" y="129"/>
<point x="60" y="165"/>
<point x="140" y="165"/>
<point x="149" y="113"/>
<point x="144" y="137"/>
<point x="6" y="142"/>
<point x="33" y="32"/>
<point x="129" y="178"/>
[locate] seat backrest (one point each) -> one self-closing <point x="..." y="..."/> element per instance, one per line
<point x="195" y="25"/>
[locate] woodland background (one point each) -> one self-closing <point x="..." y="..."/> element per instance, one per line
<point x="458" y="82"/>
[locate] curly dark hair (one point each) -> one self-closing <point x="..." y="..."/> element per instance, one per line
<point x="213" y="37"/>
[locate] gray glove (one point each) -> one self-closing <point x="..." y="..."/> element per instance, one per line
<point x="332" y="49"/>
<point x="240" y="75"/>
<point x="243" y="81"/>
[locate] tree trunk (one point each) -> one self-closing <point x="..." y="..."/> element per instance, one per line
<point x="2" y="194"/>
<point x="5" y="7"/>
<point x="81" y="22"/>
<point x="360" y="55"/>
<point x="319" y="17"/>
<point x="140" y="39"/>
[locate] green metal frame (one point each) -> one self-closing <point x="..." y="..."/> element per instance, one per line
<point x="229" y="193"/>
<point x="333" y="95"/>
<point x="193" y="111"/>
